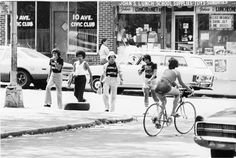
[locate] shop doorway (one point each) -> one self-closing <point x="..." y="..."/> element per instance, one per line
<point x="183" y="32"/>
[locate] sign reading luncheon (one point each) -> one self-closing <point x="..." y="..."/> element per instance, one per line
<point x="83" y="21"/>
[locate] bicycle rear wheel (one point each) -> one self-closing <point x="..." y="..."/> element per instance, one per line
<point x="153" y="120"/>
<point x="184" y="123"/>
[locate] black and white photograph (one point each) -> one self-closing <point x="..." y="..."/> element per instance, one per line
<point x="117" y="79"/>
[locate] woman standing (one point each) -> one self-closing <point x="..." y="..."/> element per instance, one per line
<point x="54" y="77"/>
<point x="80" y="68"/>
<point x="103" y="51"/>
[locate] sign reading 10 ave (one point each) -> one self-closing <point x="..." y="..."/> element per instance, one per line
<point x="83" y="21"/>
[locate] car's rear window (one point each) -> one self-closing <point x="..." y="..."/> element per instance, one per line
<point x="197" y="62"/>
<point x="181" y="60"/>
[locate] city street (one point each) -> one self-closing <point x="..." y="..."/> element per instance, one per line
<point x="117" y="140"/>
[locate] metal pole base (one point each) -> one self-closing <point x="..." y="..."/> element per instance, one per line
<point x="14" y="97"/>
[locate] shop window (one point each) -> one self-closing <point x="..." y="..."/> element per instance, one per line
<point x="26" y="24"/>
<point x="140" y="30"/>
<point x="82" y="26"/>
<point x="43" y="27"/>
<point x="217" y="34"/>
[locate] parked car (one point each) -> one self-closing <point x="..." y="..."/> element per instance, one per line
<point x="218" y="133"/>
<point x="193" y="69"/>
<point x="32" y="67"/>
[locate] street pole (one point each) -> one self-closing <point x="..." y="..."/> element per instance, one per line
<point x="14" y="97"/>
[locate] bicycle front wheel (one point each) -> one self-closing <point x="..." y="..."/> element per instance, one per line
<point x="153" y="120"/>
<point x="184" y="123"/>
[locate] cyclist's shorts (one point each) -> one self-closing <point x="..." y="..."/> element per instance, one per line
<point x="163" y="87"/>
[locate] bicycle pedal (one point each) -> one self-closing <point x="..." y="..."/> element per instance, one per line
<point x="169" y="121"/>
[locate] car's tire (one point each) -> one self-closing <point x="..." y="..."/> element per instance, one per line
<point x="84" y="106"/>
<point x="40" y="84"/>
<point x="120" y="90"/>
<point x="95" y="84"/>
<point x="23" y="78"/>
<point x="222" y="153"/>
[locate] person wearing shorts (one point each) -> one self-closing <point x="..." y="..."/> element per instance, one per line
<point x="167" y="85"/>
<point x="150" y="70"/>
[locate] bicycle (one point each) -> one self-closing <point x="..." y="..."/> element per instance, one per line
<point x="155" y="117"/>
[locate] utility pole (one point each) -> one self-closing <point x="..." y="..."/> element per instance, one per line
<point x="14" y="96"/>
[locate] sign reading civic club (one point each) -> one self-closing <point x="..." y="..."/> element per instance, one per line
<point x="221" y="22"/>
<point x="24" y="21"/>
<point x="83" y="21"/>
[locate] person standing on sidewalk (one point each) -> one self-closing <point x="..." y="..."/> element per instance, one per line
<point x="150" y="70"/>
<point x="103" y="51"/>
<point x="54" y="77"/>
<point x="80" y="68"/>
<point x="109" y="79"/>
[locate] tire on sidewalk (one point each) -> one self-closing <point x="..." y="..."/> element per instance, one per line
<point x="85" y="106"/>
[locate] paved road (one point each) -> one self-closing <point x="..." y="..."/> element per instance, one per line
<point x="118" y="140"/>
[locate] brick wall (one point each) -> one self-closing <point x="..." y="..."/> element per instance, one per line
<point x="4" y="9"/>
<point x="2" y="29"/>
<point x="106" y="22"/>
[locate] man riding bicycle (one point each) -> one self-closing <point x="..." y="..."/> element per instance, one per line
<point x="167" y="85"/>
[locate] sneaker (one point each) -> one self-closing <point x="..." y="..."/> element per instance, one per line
<point x="106" y="110"/>
<point x="158" y="125"/>
<point x="47" y="105"/>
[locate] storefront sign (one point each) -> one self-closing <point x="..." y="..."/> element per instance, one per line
<point x="24" y="21"/>
<point x="171" y="3"/>
<point x="83" y="21"/>
<point x="139" y="10"/>
<point x="216" y="9"/>
<point x="221" y="22"/>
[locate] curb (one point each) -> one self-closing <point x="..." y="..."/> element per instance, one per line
<point x="62" y="128"/>
<point x="215" y="95"/>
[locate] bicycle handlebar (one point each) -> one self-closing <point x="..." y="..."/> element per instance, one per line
<point x="185" y="93"/>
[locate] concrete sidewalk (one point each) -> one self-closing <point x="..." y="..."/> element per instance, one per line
<point x="23" y="121"/>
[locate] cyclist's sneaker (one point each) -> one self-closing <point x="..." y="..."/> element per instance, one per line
<point x="158" y="125"/>
<point x="156" y="122"/>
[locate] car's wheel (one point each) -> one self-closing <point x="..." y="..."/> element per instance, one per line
<point x="95" y="84"/>
<point x="23" y="78"/>
<point x="222" y="153"/>
<point x="120" y="90"/>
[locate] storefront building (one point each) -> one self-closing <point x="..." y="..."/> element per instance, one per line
<point x="205" y="28"/>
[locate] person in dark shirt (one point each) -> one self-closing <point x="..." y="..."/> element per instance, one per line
<point x="54" y="77"/>
<point x="150" y="70"/>
<point x="109" y="78"/>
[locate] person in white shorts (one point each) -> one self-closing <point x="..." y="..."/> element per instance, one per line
<point x="150" y="70"/>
